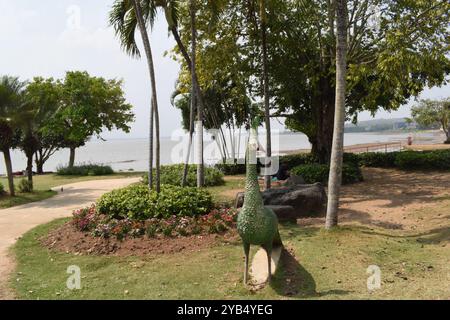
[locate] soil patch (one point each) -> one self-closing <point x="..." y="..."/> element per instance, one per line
<point x="67" y="239"/>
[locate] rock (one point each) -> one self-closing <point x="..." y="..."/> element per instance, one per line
<point x="292" y="202"/>
<point x="294" y="180"/>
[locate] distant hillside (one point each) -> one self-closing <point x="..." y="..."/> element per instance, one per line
<point x="380" y="125"/>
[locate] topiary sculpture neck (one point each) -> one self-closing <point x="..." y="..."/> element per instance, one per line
<point x="253" y="198"/>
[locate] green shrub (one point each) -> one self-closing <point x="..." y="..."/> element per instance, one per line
<point x="25" y="186"/>
<point x="136" y="202"/>
<point x="294" y="160"/>
<point x="172" y="175"/>
<point x="408" y="160"/>
<point x="352" y="159"/>
<point x="425" y="160"/>
<point x="298" y="159"/>
<point x="2" y="189"/>
<point x="85" y="170"/>
<point x="230" y="169"/>
<point x="378" y="159"/>
<point x="315" y="172"/>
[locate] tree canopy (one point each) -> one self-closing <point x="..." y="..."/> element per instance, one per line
<point x="395" y="50"/>
<point x="433" y="112"/>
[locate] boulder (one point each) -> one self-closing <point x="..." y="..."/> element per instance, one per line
<point x="292" y="202"/>
<point x="294" y="180"/>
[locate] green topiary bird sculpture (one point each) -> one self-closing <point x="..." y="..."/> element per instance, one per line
<point x="256" y="224"/>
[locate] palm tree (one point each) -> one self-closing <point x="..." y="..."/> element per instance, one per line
<point x="126" y="17"/>
<point x="200" y="165"/>
<point x="10" y="98"/>
<point x="335" y="178"/>
<point x="126" y="24"/>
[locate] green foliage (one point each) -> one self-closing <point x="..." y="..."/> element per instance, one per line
<point x="2" y="189"/>
<point x="297" y="159"/>
<point x="85" y="170"/>
<point x="137" y="202"/>
<point x="87" y="106"/>
<point x="396" y="49"/>
<point x="315" y="172"/>
<point x="426" y="160"/>
<point x="433" y="112"/>
<point x="294" y="160"/>
<point x="172" y="174"/>
<point x="25" y="186"/>
<point x="408" y="160"/>
<point x="378" y="159"/>
<point x="230" y="169"/>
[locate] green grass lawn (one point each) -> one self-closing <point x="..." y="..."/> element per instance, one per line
<point x="43" y="184"/>
<point x="325" y="265"/>
<point x="226" y="193"/>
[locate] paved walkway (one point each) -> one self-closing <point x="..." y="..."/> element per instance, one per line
<point x="15" y="221"/>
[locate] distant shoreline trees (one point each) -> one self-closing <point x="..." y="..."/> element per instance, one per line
<point x="433" y="113"/>
<point x="44" y="115"/>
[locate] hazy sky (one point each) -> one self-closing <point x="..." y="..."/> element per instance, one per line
<point x="48" y="37"/>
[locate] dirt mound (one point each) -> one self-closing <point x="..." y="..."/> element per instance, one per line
<point x="67" y="239"/>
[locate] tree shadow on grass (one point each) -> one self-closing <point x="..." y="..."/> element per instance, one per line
<point x="291" y="279"/>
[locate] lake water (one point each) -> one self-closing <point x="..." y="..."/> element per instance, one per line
<point x="132" y="154"/>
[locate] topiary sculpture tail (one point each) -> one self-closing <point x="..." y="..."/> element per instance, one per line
<point x="256" y="224"/>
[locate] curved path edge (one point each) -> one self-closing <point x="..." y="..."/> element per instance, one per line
<point x="15" y="221"/>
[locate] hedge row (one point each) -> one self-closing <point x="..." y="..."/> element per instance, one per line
<point x="138" y="203"/>
<point x="172" y="175"/>
<point x="315" y="172"/>
<point x="408" y="160"/>
<point x="85" y="170"/>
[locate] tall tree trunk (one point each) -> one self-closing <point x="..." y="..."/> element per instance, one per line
<point x="265" y="77"/>
<point x="158" y="149"/>
<point x="322" y="140"/>
<point x="38" y="159"/>
<point x="72" y="157"/>
<point x="448" y="133"/>
<point x="335" y="178"/>
<point x="191" y="132"/>
<point x="30" y="169"/>
<point x="9" y="171"/>
<point x="200" y="164"/>
<point x="154" y="105"/>
<point x="150" y="146"/>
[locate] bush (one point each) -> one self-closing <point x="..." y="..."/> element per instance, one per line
<point x="136" y="202"/>
<point x="295" y="160"/>
<point x="230" y="169"/>
<point x="85" y="170"/>
<point x="172" y="175"/>
<point x="25" y="186"/>
<point x="378" y="159"/>
<point x="408" y="160"/>
<point x="298" y="159"/>
<point x="315" y="172"/>
<point x="425" y="160"/>
<point x="2" y="189"/>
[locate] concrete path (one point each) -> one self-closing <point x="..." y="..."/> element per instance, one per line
<point x="15" y="221"/>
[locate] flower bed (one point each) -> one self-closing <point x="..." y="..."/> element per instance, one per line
<point x="97" y="224"/>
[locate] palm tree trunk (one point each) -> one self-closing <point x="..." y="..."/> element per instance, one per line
<point x="154" y="103"/>
<point x="9" y="171"/>
<point x="191" y="132"/>
<point x="30" y="169"/>
<point x="262" y="3"/>
<point x="200" y="165"/>
<point x="335" y="178"/>
<point x="150" y="146"/>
